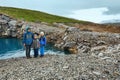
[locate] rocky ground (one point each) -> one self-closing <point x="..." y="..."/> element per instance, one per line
<point x="94" y="65"/>
<point x="93" y="55"/>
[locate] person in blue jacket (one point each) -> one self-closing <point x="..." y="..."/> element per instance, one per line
<point x="42" y="43"/>
<point x="27" y="41"/>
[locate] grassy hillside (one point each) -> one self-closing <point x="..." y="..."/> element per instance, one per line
<point x="33" y="16"/>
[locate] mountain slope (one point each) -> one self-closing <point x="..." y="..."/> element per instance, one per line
<point x="35" y="16"/>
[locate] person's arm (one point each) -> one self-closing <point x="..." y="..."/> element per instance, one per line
<point x="24" y="37"/>
<point x="32" y="35"/>
<point x="45" y="41"/>
<point x="38" y="44"/>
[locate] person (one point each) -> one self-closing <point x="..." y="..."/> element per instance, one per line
<point x="42" y="43"/>
<point x="35" y="45"/>
<point x="27" y="41"/>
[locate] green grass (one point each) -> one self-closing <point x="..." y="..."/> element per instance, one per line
<point x="36" y="16"/>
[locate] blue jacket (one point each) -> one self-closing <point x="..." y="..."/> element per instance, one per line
<point x="28" y="38"/>
<point x="42" y="41"/>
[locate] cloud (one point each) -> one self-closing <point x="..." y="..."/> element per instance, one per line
<point x="93" y="15"/>
<point x="106" y="8"/>
<point x="64" y="6"/>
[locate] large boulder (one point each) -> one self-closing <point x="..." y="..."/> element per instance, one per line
<point x="66" y="41"/>
<point x="12" y="23"/>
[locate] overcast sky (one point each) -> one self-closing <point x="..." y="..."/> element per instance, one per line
<point x="90" y="10"/>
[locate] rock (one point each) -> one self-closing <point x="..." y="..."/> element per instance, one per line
<point x="20" y="23"/>
<point x="65" y="67"/>
<point x="14" y="34"/>
<point x="118" y="78"/>
<point x="3" y="22"/>
<point x="96" y="73"/>
<point x="118" y="47"/>
<point x="0" y="26"/>
<point x="104" y="58"/>
<point x="73" y="50"/>
<point x="70" y="47"/>
<point x="99" y="48"/>
<point x="101" y="42"/>
<point x="24" y="26"/>
<point x="12" y="23"/>
<point x="100" y="54"/>
<point x="116" y="74"/>
<point x="4" y="17"/>
<point x="8" y="32"/>
<point x="65" y="38"/>
<point x="60" y="25"/>
<point x="44" y="23"/>
<point x="72" y="29"/>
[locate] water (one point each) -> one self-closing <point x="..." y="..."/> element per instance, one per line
<point x="12" y="48"/>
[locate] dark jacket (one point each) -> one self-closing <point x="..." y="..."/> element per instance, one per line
<point x="35" y="44"/>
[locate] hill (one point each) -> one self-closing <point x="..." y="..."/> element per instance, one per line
<point x="36" y="16"/>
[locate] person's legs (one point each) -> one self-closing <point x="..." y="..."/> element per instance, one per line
<point x="42" y="51"/>
<point x="28" y="49"/>
<point x="35" y="52"/>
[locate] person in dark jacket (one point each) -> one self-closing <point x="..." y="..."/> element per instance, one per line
<point x="35" y="45"/>
<point x="27" y="41"/>
<point x="42" y="43"/>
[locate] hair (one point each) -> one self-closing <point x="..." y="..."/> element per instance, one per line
<point x="42" y="33"/>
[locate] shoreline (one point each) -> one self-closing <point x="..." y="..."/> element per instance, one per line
<point x="86" y="66"/>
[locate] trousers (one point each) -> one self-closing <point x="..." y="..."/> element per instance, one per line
<point x="36" y="52"/>
<point x="28" y="49"/>
<point x="41" y="51"/>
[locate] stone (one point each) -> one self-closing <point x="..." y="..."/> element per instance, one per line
<point x="8" y="32"/>
<point x="101" y="42"/>
<point x="12" y="23"/>
<point x="24" y="26"/>
<point x="104" y="58"/>
<point x="98" y="48"/>
<point x="96" y="73"/>
<point x="72" y="29"/>
<point x="0" y="26"/>
<point x="65" y="67"/>
<point x="3" y="22"/>
<point x="100" y="55"/>
<point x="14" y="34"/>
<point x="20" y="23"/>
<point x="44" y="23"/>
<point x="60" y="25"/>
<point x="4" y="17"/>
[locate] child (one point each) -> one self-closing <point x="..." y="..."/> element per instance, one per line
<point x="35" y="45"/>
<point x="42" y="43"/>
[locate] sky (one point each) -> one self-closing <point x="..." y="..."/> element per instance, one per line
<point x="89" y="10"/>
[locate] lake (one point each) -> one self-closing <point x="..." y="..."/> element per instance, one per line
<point x="12" y="48"/>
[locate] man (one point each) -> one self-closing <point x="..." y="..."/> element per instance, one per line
<point x="27" y="41"/>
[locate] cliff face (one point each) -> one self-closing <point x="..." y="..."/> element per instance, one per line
<point x="9" y="27"/>
<point x="81" y="37"/>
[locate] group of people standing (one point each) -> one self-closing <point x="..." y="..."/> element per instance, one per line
<point x="34" y="40"/>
